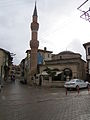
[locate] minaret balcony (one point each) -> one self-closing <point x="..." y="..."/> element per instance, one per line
<point x="34" y="43"/>
<point x="34" y="26"/>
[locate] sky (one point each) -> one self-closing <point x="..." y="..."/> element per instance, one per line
<point x="60" y="26"/>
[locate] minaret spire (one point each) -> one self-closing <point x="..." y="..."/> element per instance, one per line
<point x="35" y="10"/>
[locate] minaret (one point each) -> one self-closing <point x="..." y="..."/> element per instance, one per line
<point x="34" y="43"/>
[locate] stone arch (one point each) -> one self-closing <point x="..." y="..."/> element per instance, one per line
<point x="67" y="74"/>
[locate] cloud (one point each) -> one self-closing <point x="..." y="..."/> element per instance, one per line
<point x="14" y="27"/>
<point x="77" y="46"/>
<point x="58" y="20"/>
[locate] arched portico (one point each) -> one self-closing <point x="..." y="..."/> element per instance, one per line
<point x="67" y="74"/>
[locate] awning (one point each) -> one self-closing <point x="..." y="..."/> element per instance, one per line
<point x="44" y="73"/>
<point x="58" y="72"/>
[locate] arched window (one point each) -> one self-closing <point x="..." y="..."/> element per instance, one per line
<point x="88" y="50"/>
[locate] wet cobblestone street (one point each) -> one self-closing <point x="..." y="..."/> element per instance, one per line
<point x="23" y="102"/>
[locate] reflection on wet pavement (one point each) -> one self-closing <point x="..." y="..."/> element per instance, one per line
<point x="24" y="102"/>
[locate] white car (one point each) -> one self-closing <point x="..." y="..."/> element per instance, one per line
<point x="76" y="83"/>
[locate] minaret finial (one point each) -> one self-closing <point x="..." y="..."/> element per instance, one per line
<point x="35" y="2"/>
<point x="35" y="10"/>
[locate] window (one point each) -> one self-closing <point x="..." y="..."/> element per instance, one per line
<point x="88" y="50"/>
<point x="60" y="57"/>
<point x="77" y="80"/>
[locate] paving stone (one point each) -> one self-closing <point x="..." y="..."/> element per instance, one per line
<point x="22" y="102"/>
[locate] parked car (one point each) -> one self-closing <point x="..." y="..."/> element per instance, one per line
<point x="76" y="83"/>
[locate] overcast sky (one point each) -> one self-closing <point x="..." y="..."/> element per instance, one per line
<point x="60" y="26"/>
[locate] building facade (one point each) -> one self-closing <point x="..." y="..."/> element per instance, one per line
<point x="87" y="48"/>
<point x="69" y="64"/>
<point x="5" y="63"/>
<point x="42" y="55"/>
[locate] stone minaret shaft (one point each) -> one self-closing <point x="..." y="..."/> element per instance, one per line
<point x="34" y="43"/>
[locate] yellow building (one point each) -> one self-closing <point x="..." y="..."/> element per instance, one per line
<point x="5" y="62"/>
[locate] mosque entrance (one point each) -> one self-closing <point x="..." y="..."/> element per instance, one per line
<point x="67" y="74"/>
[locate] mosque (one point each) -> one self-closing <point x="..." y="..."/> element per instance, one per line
<point x="64" y="65"/>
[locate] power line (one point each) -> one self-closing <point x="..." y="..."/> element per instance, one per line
<point x="85" y="14"/>
<point x="82" y="4"/>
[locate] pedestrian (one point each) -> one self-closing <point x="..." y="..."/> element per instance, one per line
<point x="40" y="80"/>
<point x="0" y="83"/>
<point x="12" y="78"/>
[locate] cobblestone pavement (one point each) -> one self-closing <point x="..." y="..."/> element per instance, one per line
<point x="23" y="102"/>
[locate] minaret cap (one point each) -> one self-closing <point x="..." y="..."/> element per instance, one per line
<point x="35" y="10"/>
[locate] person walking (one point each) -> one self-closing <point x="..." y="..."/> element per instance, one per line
<point x="0" y="83"/>
<point x="40" y="80"/>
